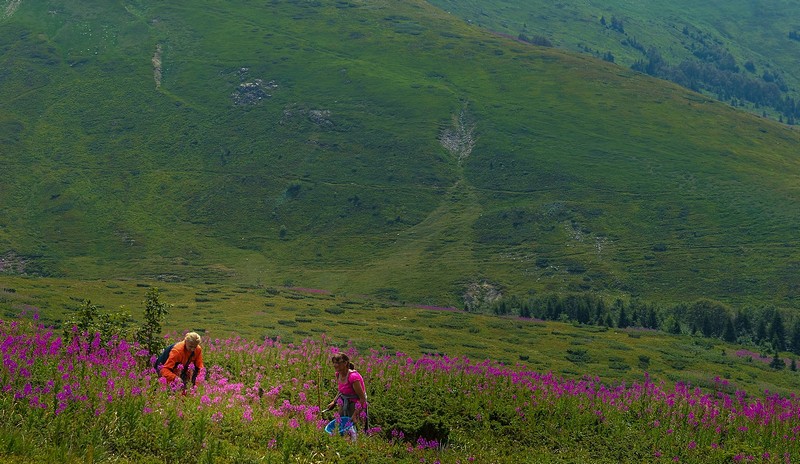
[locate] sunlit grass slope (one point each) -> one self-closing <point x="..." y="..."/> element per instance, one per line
<point x="292" y="315"/>
<point x="302" y="142"/>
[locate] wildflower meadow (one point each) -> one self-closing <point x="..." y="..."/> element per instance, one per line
<point x="77" y="397"/>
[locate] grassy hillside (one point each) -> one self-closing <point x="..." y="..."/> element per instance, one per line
<point x="374" y="148"/>
<point x="736" y="41"/>
<point x="292" y="315"/>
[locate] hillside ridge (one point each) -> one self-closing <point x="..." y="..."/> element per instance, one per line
<point x="306" y="143"/>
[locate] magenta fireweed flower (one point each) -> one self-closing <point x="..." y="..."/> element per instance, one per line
<point x="176" y="385"/>
<point x="64" y="376"/>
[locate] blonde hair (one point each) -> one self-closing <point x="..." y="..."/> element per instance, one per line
<point x="192" y="338"/>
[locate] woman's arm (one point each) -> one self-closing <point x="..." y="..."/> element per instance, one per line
<point x="358" y="387"/>
<point x="332" y="404"/>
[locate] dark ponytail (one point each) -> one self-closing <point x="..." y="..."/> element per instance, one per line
<point x="345" y="358"/>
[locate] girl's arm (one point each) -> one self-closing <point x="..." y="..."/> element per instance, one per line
<point x="332" y="404"/>
<point x="358" y="387"/>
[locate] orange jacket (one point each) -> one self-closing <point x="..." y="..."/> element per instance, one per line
<point x="179" y="355"/>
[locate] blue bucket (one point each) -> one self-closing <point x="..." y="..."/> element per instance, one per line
<point x="345" y="426"/>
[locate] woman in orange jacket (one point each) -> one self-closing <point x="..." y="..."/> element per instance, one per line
<point x="182" y="354"/>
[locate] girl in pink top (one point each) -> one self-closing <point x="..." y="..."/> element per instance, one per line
<point x="351" y="388"/>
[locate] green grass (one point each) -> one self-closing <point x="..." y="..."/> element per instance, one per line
<point x="583" y="177"/>
<point x="257" y="313"/>
<point x="745" y="30"/>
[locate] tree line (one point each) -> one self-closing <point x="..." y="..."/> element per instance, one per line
<point x="763" y="326"/>
<point x="717" y="73"/>
<point x="714" y="70"/>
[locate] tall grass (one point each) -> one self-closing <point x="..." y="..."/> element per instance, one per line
<point x="87" y="400"/>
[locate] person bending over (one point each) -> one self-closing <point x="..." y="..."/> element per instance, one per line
<point x="181" y="356"/>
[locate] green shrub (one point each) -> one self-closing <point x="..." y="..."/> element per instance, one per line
<point x="578" y="356"/>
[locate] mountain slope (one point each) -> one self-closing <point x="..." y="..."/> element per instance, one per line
<point x="375" y="147"/>
<point x="742" y="51"/>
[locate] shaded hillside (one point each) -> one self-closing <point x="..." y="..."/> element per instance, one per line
<point x="742" y="51"/>
<point x="383" y="148"/>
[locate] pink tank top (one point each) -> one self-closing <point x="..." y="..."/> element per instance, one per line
<point x="346" y="388"/>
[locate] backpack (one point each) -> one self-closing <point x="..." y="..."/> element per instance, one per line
<point x="163" y="357"/>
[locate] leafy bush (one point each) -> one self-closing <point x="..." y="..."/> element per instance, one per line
<point x="89" y="320"/>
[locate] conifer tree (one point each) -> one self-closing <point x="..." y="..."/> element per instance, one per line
<point x="674" y="326"/>
<point x="777" y="332"/>
<point x="729" y="334"/>
<point x="777" y="363"/>
<point x="795" y="337"/>
<point x="623" y="321"/>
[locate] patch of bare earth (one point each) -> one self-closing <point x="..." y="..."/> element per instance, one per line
<point x="12" y="263"/>
<point x="11" y="8"/>
<point x="459" y="139"/>
<point x="157" y="66"/>
<point x="480" y="295"/>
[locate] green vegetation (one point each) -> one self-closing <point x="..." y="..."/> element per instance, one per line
<point x="741" y="52"/>
<point x="88" y="400"/>
<point x="382" y="149"/>
<point x="357" y="172"/>
<point x="277" y="313"/>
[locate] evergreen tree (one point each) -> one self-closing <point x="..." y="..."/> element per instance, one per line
<point x="705" y="327"/>
<point x="652" y="318"/>
<point x="743" y="325"/>
<point x="149" y="334"/>
<point x="583" y="314"/>
<point x="777" y="332"/>
<point x="554" y="308"/>
<point x="525" y="310"/>
<point x="761" y="330"/>
<point x="729" y="334"/>
<point x="501" y="308"/>
<point x="777" y="363"/>
<point x="795" y="337"/>
<point x="600" y="310"/>
<point x="623" y="321"/>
